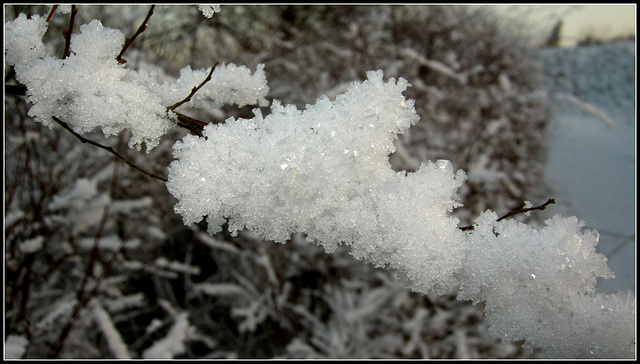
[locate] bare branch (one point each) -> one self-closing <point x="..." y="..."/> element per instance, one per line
<point x="108" y="149"/>
<point x="141" y="29"/>
<point x="516" y="212"/>
<point x="84" y="299"/>
<point x="67" y="32"/>
<point x="195" y="89"/>
<point x="524" y="210"/>
<point x="53" y="10"/>
<point x="195" y="126"/>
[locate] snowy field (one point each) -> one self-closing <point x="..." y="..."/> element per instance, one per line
<point x="591" y="157"/>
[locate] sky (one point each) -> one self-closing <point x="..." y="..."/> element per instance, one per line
<point x="601" y="20"/>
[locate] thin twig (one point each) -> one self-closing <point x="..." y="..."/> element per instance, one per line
<point x="194" y="90"/>
<point x="516" y="212"/>
<point x="67" y="33"/>
<point x="195" y="126"/>
<point x="108" y="149"/>
<point x="53" y="10"/>
<point x="523" y="210"/>
<point x="141" y="29"/>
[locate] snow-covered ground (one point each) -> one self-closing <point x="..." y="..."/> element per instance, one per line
<point x="591" y="164"/>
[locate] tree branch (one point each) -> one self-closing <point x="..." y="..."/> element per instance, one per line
<point x="108" y="149"/>
<point x="53" y="10"/>
<point x="194" y="90"/>
<point x="141" y="29"/>
<point x="82" y="298"/>
<point x="195" y="126"/>
<point x="67" y="32"/>
<point x="516" y="212"/>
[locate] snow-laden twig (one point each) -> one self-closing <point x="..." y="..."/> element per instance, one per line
<point x="173" y="343"/>
<point x="111" y="334"/>
<point x="588" y="108"/>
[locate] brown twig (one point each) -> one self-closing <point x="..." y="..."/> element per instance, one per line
<point x="67" y="32"/>
<point x="516" y="212"/>
<point x="108" y="149"/>
<point x="194" y="90"/>
<point x="195" y="126"/>
<point x="141" y="29"/>
<point x="53" y="10"/>
<point x="524" y="210"/>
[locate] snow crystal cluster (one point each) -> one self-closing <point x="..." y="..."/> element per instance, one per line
<point x="209" y="10"/>
<point x="540" y="285"/>
<point x="90" y="89"/>
<point x="324" y="171"/>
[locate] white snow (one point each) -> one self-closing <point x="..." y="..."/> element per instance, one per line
<point x="324" y="171"/>
<point x="209" y="10"/>
<point x="173" y="343"/>
<point x="90" y="89"/>
<point x="297" y="171"/>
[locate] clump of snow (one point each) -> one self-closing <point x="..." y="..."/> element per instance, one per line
<point x="324" y="172"/>
<point x="209" y="10"/>
<point x="173" y="343"/>
<point x="532" y="280"/>
<point x="229" y="84"/>
<point x="15" y="346"/>
<point x="23" y="39"/>
<point x="31" y="246"/>
<point x="114" y="340"/>
<point x="90" y="89"/>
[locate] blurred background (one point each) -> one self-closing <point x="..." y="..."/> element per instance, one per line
<point x="97" y="264"/>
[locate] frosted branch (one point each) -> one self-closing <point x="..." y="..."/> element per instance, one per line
<point x="68" y="31"/>
<point x="108" y="149"/>
<point x="517" y="211"/>
<point x="195" y="89"/>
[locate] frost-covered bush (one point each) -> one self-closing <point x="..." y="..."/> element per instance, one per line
<point x="93" y="90"/>
<point x="321" y="174"/>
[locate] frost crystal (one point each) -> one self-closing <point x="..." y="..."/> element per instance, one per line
<point x="229" y="84"/>
<point x="23" y="39"/>
<point x="209" y="10"/>
<point x="324" y="171"/>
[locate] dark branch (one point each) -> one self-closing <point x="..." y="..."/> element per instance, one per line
<point x="523" y="210"/>
<point x="516" y="212"/>
<point x="194" y="90"/>
<point x="53" y="10"/>
<point x="195" y="126"/>
<point x="108" y="149"/>
<point x="67" y="33"/>
<point x="141" y="29"/>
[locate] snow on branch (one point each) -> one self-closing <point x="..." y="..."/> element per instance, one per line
<point x="324" y="172"/>
<point x="91" y="89"/>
